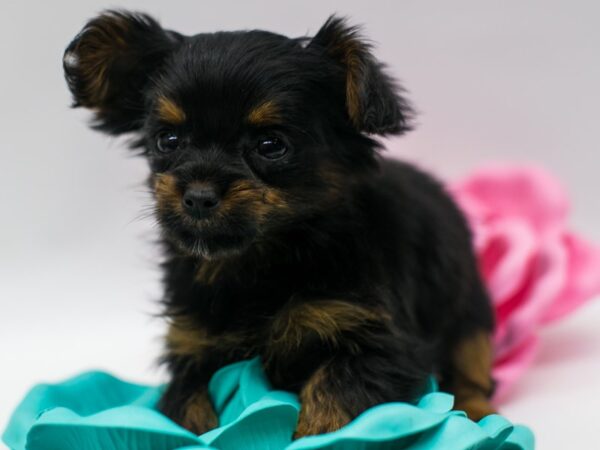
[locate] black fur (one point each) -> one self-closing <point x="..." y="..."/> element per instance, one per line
<point x="350" y="226"/>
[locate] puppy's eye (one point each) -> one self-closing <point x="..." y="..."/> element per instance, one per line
<point x="167" y="142"/>
<point x="271" y="148"/>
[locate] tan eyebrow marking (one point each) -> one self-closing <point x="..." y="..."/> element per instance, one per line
<point x="266" y="113"/>
<point x="169" y="111"/>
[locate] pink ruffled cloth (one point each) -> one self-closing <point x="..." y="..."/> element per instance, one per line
<point x="537" y="271"/>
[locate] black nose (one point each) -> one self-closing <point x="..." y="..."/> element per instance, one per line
<point x="200" y="201"/>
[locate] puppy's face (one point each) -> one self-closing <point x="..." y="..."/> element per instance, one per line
<point x="246" y="133"/>
<point x="237" y="141"/>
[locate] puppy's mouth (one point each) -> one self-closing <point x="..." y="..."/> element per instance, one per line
<point x="208" y="239"/>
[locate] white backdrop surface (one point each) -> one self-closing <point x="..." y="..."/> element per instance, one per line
<point x="512" y="80"/>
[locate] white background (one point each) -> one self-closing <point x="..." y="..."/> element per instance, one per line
<point x="510" y="80"/>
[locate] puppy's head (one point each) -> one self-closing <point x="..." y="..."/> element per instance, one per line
<point x="246" y="132"/>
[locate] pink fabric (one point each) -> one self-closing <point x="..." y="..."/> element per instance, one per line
<point x="536" y="270"/>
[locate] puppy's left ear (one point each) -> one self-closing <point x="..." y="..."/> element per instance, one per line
<point x="373" y="99"/>
<point x="110" y="63"/>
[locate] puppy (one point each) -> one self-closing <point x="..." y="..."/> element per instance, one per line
<point x="285" y="234"/>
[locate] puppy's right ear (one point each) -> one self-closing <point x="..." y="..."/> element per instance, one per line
<point x="110" y="63"/>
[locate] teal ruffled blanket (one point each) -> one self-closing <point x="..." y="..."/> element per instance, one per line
<point x="95" y="411"/>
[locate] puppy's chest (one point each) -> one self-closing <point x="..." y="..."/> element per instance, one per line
<point x="244" y="333"/>
<point x="244" y="297"/>
<point x="235" y="310"/>
<point x="227" y="315"/>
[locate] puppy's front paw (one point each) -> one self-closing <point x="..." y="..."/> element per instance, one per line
<point x="476" y="407"/>
<point x="319" y="419"/>
<point x="199" y="415"/>
<point x="321" y="409"/>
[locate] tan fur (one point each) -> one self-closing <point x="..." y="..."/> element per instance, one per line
<point x="199" y="415"/>
<point x="353" y="78"/>
<point x="329" y="319"/>
<point x="169" y="111"/>
<point x="348" y="51"/>
<point x="167" y="194"/>
<point x="186" y="339"/>
<point x="209" y="271"/>
<point x="259" y="200"/>
<point x="320" y="411"/>
<point x="264" y="114"/>
<point x="472" y="383"/>
<point x="101" y="45"/>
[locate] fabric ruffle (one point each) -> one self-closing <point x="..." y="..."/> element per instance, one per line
<point x="95" y="411"/>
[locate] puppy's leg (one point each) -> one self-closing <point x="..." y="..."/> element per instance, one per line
<point x="190" y="358"/>
<point x="467" y="354"/>
<point x="342" y="358"/>
<point x="470" y="377"/>
<point x="344" y="387"/>
<point x="186" y="400"/>
<point x="323" y="407"/>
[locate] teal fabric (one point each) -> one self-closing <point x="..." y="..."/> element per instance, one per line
<point x="96" y="411"/>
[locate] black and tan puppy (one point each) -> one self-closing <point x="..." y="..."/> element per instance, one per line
<point x="285" y="235"/>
